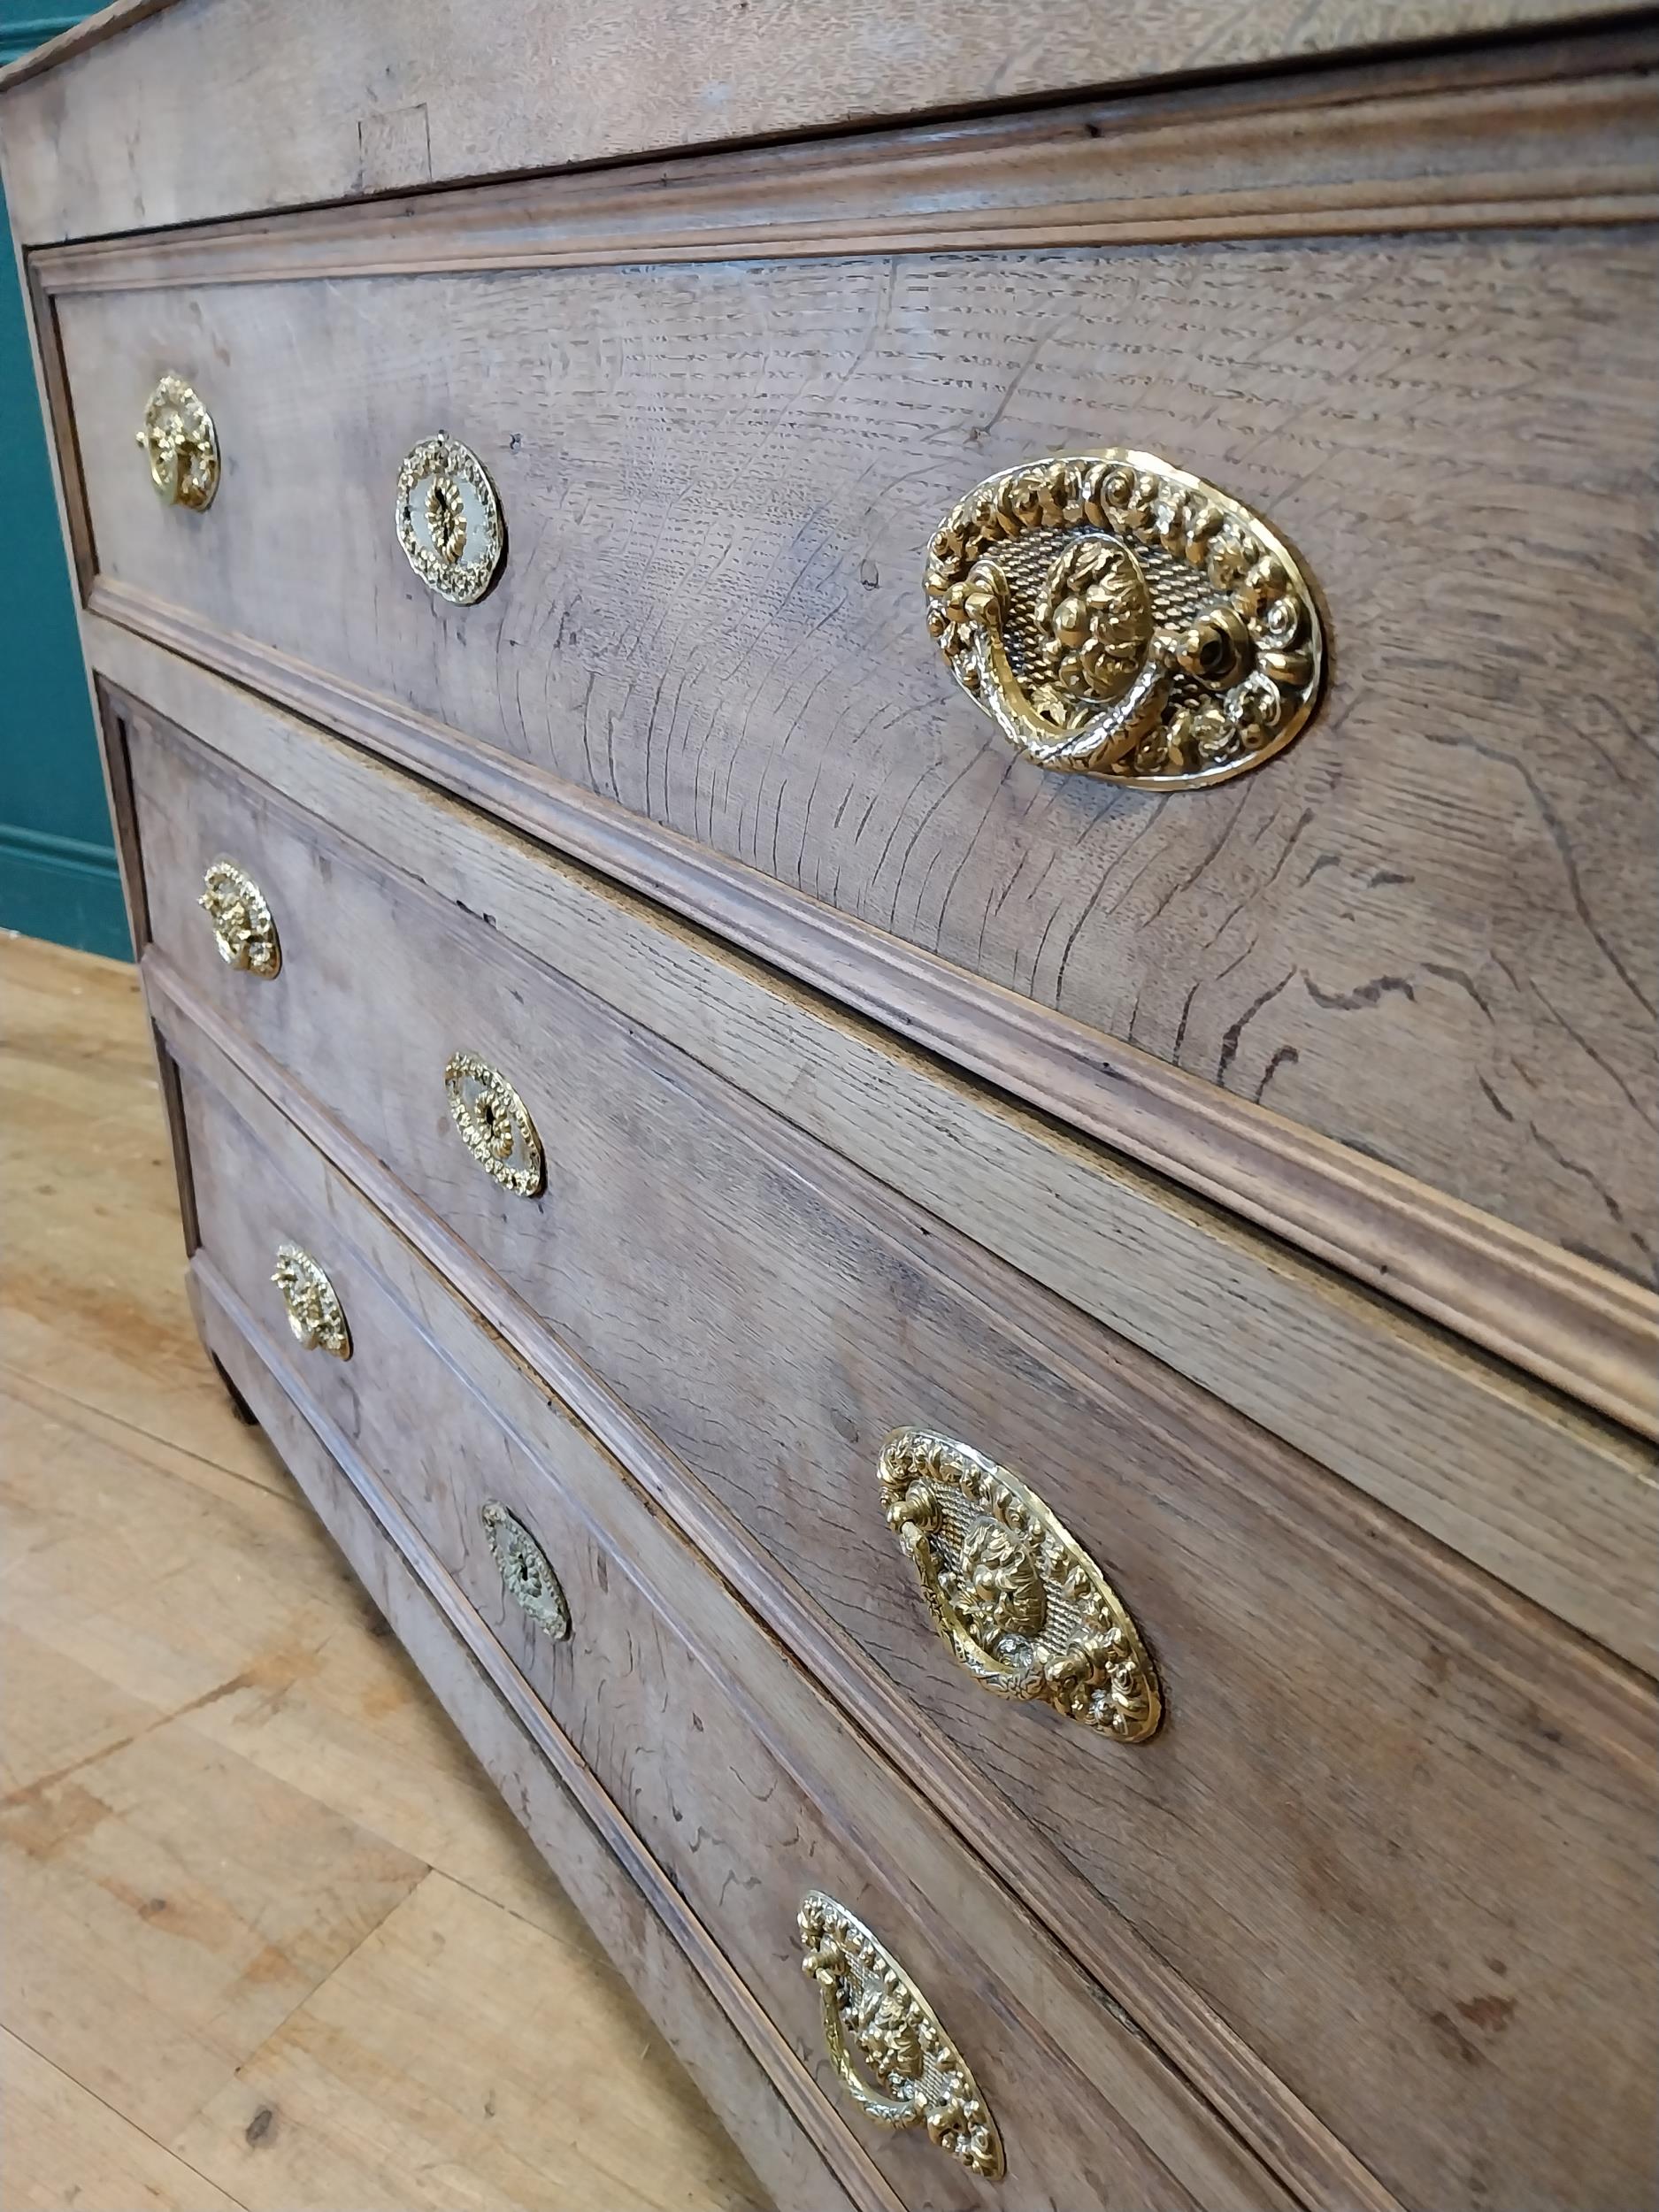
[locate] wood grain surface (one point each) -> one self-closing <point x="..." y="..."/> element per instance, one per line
<point x="1276" y="1606"/>
<point x="733" y="1770"/>
<point x="170" y="123"/>
<point x="221" y="1783"/>
<point x="1425" y="931"/>
<point x="1557" y="1505"/>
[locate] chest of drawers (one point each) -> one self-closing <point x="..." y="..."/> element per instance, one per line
<point x="889" y="807"/>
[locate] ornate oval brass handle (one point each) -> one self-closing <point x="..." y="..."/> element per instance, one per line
<point x="1118" y="616"/>
<point x="240" y="916"/>
<point x="526" y="1572"/>
<point x="1015" y="1598"/>
<point x="315" y="1313"/>
<point x="495" y="1124"/>
<point x="182" y="445"/>
<point x="923" y="2076"/>
<point x="449" y="519"/>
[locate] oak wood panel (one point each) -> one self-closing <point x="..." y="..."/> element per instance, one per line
<point x="613" y="1892"/>
<point x="1559" y="1506"/>
<point x="168" y="124"/>
<point x="1276" y="1605"/>
<point x="703" y="1761"/>
<point x="1427" y="932"/>
<point x="1044" y="1989"/>
<point x="1542" y="131"/>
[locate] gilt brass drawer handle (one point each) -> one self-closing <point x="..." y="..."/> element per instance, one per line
<point x="180" y="445"/>
<point x="526" y="1572"/>
<point x="241" y="921"/>
<point x="1015" y="1596"/>
<point x="495" y="1126"/>
<point x="449" y="519"/>
<point x="920" y="2073"/>
<point x="315" y="1313"/>
<point x="1116" y="616"/>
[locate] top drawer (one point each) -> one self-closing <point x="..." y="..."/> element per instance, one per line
<point x="1425" y="930"/>
<point x="246" y="107"/>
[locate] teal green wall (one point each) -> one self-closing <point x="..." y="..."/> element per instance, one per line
<point x="58" y="875"/>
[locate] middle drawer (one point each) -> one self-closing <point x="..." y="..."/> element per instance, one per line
<point x="1378" y="1775"/>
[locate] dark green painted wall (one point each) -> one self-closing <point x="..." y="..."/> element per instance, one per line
<point x="57" y="875"/>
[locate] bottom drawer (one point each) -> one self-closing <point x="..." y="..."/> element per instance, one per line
<point x="791" y="2169"/>
<point x="734" y="1773"/>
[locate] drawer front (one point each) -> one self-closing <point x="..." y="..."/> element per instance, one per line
<point x="1374" y="1767"/>
<point x="1426" y="930"/>
<point x="628" y="1641"/>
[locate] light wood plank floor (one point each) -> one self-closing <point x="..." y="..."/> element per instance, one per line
<point x="272" y="1941"/>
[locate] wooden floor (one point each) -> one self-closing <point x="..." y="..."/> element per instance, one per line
<point x="271" y="1941"/>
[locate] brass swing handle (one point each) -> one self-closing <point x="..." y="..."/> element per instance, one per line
<point x="1015" y="1598"/>
<point x="314" y="1311"/>
<point x="180" y="445"/>
<point x="1118" y="616"/>
<point x="924" y="2079"/>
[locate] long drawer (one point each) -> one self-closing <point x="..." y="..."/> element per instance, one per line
<point x="1426" y="930"/>
<point x="730" y="1768"/>
<point x="1377" y="1770"/>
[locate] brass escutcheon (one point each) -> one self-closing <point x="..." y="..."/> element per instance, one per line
<point x="870" y="2002"/>
<point x="449" y="519"/>
<point x="1015" y="1597"/>
<point x="526" y="1572"/>
<point x="1118" y="616"/>
<point x="495" y="1124"/>
<point x="180" y="445"/>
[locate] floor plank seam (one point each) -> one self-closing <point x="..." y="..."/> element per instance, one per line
<point x="23" y="1381"/>
<point x="125" y="2119"/>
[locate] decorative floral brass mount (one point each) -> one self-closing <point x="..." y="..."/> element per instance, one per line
<point x="495" y="1126"/>
<point x="1015" y="1596"/>
<point x="449" y="519"/>
<point x="1116" y="616"/>
<point x="921" y="2075"/>
<point x="526" y="1572"/>
<point x="241" y="921"/>
<point x="314" y="1312"/>
<point x="180" y="445"/>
